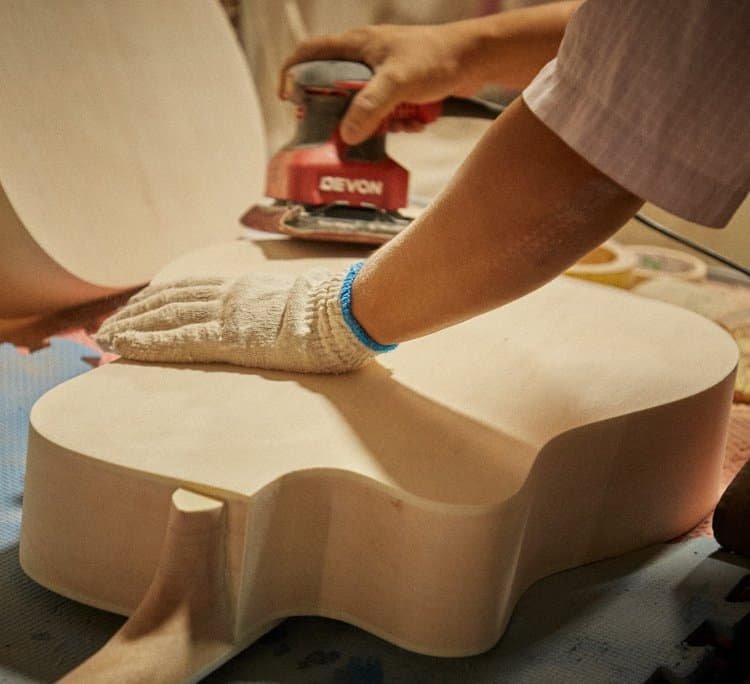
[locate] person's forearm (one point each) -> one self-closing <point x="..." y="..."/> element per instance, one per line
<point x="521" y="209"/>
<point x="509" y="48"/>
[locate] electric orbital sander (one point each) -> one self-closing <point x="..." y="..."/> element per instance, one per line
<point x="324" y="189"/>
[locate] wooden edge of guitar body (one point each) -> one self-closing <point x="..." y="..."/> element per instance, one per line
<point x="441" y="582"/>
<point x="182" y="628"/>
<point x="33" y="282"/>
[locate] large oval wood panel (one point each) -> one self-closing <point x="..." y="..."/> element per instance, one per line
<point x="129" y="133"/>
<point x="416" y="498"/>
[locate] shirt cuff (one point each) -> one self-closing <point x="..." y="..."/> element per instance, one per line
<point x="624" y="153"/>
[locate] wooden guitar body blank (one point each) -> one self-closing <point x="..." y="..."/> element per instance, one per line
<point x="417" y="498"/>
<point x="130" y="133"/>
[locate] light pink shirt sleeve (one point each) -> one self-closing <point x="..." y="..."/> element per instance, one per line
<point x="656" y="95"/>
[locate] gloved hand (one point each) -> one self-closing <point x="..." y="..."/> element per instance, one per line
<point x="258" y="320"/>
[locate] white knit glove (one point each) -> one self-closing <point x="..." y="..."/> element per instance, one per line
<point x="258" y="320"/>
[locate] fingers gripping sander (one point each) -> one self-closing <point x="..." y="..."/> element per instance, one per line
<point x="324" y="189"/>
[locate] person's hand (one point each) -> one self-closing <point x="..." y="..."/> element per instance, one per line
<point x="259" y="320"/>
<point x="411" y="64"/>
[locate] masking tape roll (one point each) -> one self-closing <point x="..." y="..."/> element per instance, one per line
<point x="609" y="264"/>
<point x="662" y="262"/>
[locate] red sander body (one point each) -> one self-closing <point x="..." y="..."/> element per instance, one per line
<point x="324" y="189"/>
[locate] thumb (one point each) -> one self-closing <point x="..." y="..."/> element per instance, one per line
<point x="369" y="107"/>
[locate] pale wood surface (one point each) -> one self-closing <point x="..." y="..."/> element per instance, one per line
<point x="417" y="498"/>
<point x="184" y="622"/>
<point x="131" y="133"/>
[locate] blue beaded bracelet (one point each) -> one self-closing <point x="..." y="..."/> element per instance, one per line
<point x="345" y="298"/>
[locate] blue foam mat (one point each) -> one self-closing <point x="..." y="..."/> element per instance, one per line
<point x="613" y="621"/>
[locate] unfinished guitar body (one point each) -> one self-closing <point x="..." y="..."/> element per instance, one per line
<point x="130" y="133"/>
<point x="417" y="498"/>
